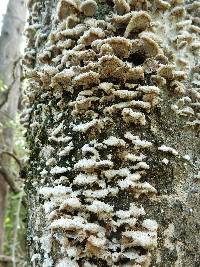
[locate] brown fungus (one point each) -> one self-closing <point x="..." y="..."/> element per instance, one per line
<point x="166" y="71"/>
<point x="131" y="116"/>
<point x="139" y="22"/>
<point x="121" y="46"/>
<point x="151" y="48"/>
<point x="89" y="8"/>
<point x="121" y="6"/>
<point x="72" y="21"/>
<point x="138" y="4"/>
<point x="62" y="79"/>
<point x="162" y="5"/>
<point x="87" y="79"/>
<point x="67" y="8"/>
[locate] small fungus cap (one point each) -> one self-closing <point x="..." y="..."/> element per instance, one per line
<point x="89" y="8"/>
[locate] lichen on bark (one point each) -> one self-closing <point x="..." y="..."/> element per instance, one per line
<point x="112" y="116"/>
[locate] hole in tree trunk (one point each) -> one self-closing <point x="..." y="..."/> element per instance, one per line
<point x="137" y="58"/>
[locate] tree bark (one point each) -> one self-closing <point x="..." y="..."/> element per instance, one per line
<point x="112" y="116"/>
<point x="10" y="73"/>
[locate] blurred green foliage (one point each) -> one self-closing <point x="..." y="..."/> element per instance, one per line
<point x="10" y="225"/>
<point x="14" y="220"/>
<point x="2" y="86"/>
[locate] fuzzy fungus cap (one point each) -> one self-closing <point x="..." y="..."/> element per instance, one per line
<point x="162" y="5"/>
<point x="121" y="6"/>
<point x="151" y="48"/>
<point x="147" y="240"/>
<point x="166" y="71"/>
<point x="72" y="21"/>
<point x="89" y="8"/>
<point x="138" y="4"/>
<point x="67" y="8"/>
<point x="120" y="45"/>
<point x="87" y="79"/>
<point x="133" y="116"/>
<point x="62" y="79"/>
<point x="139" y="22"/>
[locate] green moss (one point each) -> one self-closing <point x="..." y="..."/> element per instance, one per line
<point x="103" y="11"/>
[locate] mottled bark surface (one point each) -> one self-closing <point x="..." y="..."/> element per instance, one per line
<point x="10" y="73"/>
<point x="112" y="116"/>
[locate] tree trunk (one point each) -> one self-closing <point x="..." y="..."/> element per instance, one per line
<point x="10" y="73"/>
<point x="112" y="116"/>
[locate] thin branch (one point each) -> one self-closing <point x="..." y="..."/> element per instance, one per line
<point x="14" y="157"/>
<point x="4" y="95"/>
<point x="5" y="259"/>
<point x="4" y="113"/>
<point x="13" y="185"/>
<point x="10" y="180"/>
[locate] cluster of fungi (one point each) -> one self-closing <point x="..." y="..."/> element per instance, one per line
<point x="97" y="71"/>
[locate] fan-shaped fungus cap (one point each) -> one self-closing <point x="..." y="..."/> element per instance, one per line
<point x="89" y="8"/>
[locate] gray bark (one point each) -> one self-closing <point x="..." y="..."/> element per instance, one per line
<point x="10" y="73"/>
<point x="112" y="116"/>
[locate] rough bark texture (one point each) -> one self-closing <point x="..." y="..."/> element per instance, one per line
<point x="10" y="72"/>
<point x="113" y="124"/>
